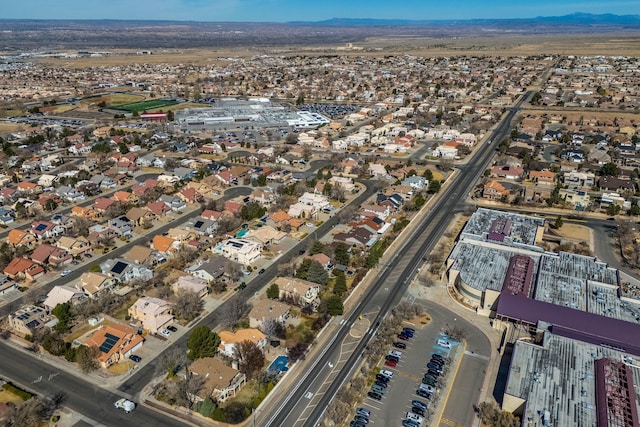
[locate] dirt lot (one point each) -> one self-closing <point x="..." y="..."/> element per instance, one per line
<point x="7" y="128"/>
<point x="578" y="233"/>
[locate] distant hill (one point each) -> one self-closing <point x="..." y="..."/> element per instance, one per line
<point x="574" y="19"/>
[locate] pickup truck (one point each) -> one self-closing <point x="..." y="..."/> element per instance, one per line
<point x="125" y="405"/>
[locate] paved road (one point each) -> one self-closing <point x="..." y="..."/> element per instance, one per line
<point x="391" y="283"/>
<point x="94" y="402"/>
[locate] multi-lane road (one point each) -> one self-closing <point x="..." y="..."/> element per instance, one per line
<point x="385" y="292"/>
<point x="390" y="285"/>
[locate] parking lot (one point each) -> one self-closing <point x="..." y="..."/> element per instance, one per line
<point x="408" y="373"/>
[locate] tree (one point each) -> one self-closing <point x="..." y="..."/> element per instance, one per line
<point x="428" y="174"/>
<point x="64" y="315"/>
<point x="317" y="273"/>
<point x="434" y="186"/>
<point x="273" y="292"/>
<point x="250" y="358"/>
<point x="334" y="305"/>
<point x="187" y="305"/>
<point x="50" y="205"/>
<point x="609" y="169"/>
<point x="341" y="254"/>
<point x="233" y="310"/>
<point x="558" y="222"/>
<point x="613" y="209"/>
<point x="170" y="361"/>
<point x="86" y="358"/>
<point x="297" y="352"/>
<point x="340" y="286"/>
<point x="203" y="342"/>
<point x="317" y="247"/>
<point x="273" y="328"/>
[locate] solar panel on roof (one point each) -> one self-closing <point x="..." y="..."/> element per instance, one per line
<point x="198" y="224"/>
<point x="119" y="267"/>
<point x="109" y="342"/>
<point x="41" y="227"/>
<point x="34" y="323"/>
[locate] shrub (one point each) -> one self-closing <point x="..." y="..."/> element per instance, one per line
<point x="24" y="395"/>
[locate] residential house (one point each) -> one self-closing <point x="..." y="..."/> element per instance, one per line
<point x="75" y="246"/>
<point x="101" y="204"/>
<point x="17" y="237"/>
<point x="152" y="314"/>
<point x="416" y="182"/>
<point x="301" y="292"/>
<point x="393" y="201"/>
<point x="86" y="213"/>
<point x="46" y="229"/>
<point x="279" y="218"/>
<point x="173" y="202"/>
<point x="212" y="268"/>
<point x="124" y="271"/>
<point x="359" y="237"/>
<point x="205" y="227"/>
<point x="538" y="193"/>
<point x="221" y="382"/>
<point x="493" y="190"/>
<point x="140" y="217"/>
<point x="104" y="182"/>
<point x="507" y="172"/>
<point x="70" y="194"/>
<point x="381" y="212"/>
<point x="190" y="195"/>
<point x="183" y="174"/>
<point x="322" y="259"/>
<point x="266" y="235"/>
<point x="27" y="187"/>
<point x="611" y="183"/>
<point x="228" y="340"/>
<point x="22" y="268"/>
<point x="125" y="197"/>
<point x="158" y="209"/>
<point x="47" y="254"/>
<point x="346" y="183"/>
<point x="268" y="310"/>
<point x="122" y="226"/>
<point x="115" y="343"/>
<point x="165" y="245"/>
<point x="182" y="236"/>
<point x="576" y="179"/>
<point x="264" y="197"/>
<point x="242" y="251"/>
<point x="28" y="319"/>
<point x="99" y="234"/>
<point x="580" y="200"/>
<point x="61" y="295"/>
<point x="235" y="205"/>
<point x="191" y="284"/>
<point x="95" y="284"/>
<point x="7" y="215"/>
<point x="543" y="177"/>
<point x="140" y="255"/>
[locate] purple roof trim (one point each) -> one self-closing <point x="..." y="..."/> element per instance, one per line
<point x="517" y="281"/>
<point x="571" y="323"/>
<point x="615" y="394"/>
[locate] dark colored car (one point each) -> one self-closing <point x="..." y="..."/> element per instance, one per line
<point x="419" y="404"/>
<point x="437" y="361"/>
<point x="429" y="381"/>
<point x="409" y="332"/>
<point x="399" y="345"/>
<point x="261" y="271"/>
<point x="423" y="393"/>
<point x="392" y="358"/>
<point x="417" y="411"/>
<point x="434" y="373"/>
<point x="437" y="356"/>
<point x="355" y="423"/>
<point x="172" y="328"/>
<point x="403" y="337"/>
<point x="409" y="423"/>
<point x="381" y="384"/>
<point x="135" y="358"/>
<point x="434" y="367"/>
<point x="406" y="328"/>
<point x="361" y="419"/>
<point x="382" y="378"/>
<point x="374" y="395"/>
<point x="363" y="411"/>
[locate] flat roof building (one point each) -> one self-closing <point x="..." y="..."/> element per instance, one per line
<point x="505" y="227"/>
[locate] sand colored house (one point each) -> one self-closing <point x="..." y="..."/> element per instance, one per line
<point x="153" y="314"/>
<point x="221" y="381"/>
<point x="268" y="309"/>
<point x="493" y="190"/>
<point x="94" y="284"/>
<point x="300" y="291"/>
<point x="17" y="237"/>
<point x="228" y="339"/>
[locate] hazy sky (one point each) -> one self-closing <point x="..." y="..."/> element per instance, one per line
<point x="307" y="10"/>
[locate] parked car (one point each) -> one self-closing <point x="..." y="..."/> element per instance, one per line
<point x="88" y="256"/>
<point x="429" y="381"/>
<point x="439" y="362"/>
<point x="363" y="411"/>
<point x="409" y="423"/>
<point x="395" y="353"/>
<point x="399" y="345"/>
<point x="419" y="404"/>
<point x="444" y="343"/>
<point x="124" y="404"/>
<point x="418" y="411"/>
<point x="392" y="358"/>
<point x="434" y="373"/>
<point x="414" y="417"/>
<point x="437" y="356"/>
<point x="65" y="273"/>
<point x="403" y="337"/>
<point x="407" y="328"/>
<point x="391" y="363"/>
<point x="165" y="333"/>
<point x="361" y="419"/>
<point x="262" y="270"/>
<point x="355" y="423"/>
<point x="434" y="366"/>
<point x="407" y="333"/>
<point x="423" y="393"/>
<point x="427" y="387"/>
<point x="382" y="383"/>
<point x="386" y="373"/>
<point x="374" y="395"/>
<point x="378" y="389"/>
<point x="135" y="358"/>
<point x="380" y="377"/>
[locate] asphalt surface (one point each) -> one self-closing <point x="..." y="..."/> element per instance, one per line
<point x="94" y="402"/>
<point x="387" y="289"/>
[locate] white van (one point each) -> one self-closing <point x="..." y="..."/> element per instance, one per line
<point x="444" y="343"/>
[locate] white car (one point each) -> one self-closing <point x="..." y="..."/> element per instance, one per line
<point x="444" y="343"/>
<point x="386" y="373"/>
<point x="165" y="332"/>
<point x="125" y="405"/>
<point x="395" y="353"/>
<point x="65" y="272"/>
<point x="414" y="417"/>
<point x="427" y="388"/>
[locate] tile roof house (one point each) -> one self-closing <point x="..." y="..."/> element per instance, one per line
<point x="190" y="195"/>
<point x="49" y="254"/>
<point x="267" y="309"/>
<point x="220" y="381"/>
<point x="140" y="216"/>
<point x="152" y="314"/>
<point x="75" y="246"/>
<point x="61" y="295"/>
<point x="20" y="268"/>
<point x="124" y="197"/>
<point x="101" y="204"/>
<point x="493" y="190"/>
<point x="85" y="212"/>
<point x="612" y="183"/>
<point x="507" y="171"/>
<point x="164" y="244"/>
<point x="266" y="235"/>
<point x="95" y="284"/>
<point x="115" y="343"/>
<point x="228" y="340"/>
<point x="543" y="177"/>
<point x="300" y="291"/>
<point x="140" y="255"/>
<point x="17" y="237"/>
<point x="46" y="229"/>
<point x="159" y="209"/>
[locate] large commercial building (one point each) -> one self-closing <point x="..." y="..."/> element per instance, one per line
<point x="256" y="112"/>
